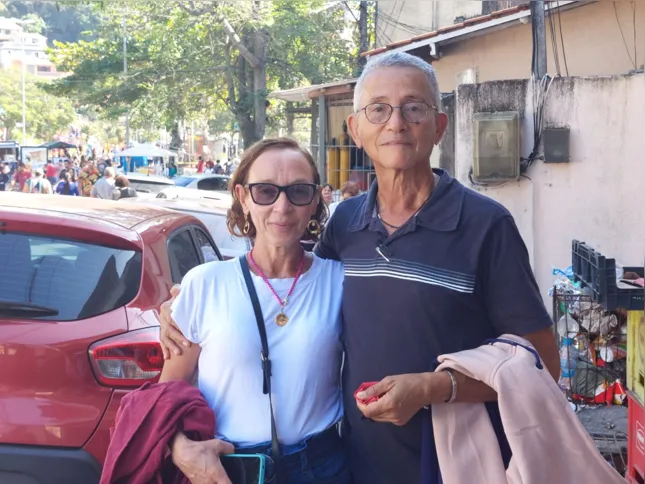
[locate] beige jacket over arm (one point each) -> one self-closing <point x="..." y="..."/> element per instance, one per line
<point x="548" y="441"/>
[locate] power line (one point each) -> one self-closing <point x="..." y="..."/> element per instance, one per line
<point x="633" y="61"/>
<point x="564" y="52"/>
<point x="554" y="44"/>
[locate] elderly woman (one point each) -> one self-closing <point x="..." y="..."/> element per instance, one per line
<point x="277" y="201"/>
<point x="122" y="188"/>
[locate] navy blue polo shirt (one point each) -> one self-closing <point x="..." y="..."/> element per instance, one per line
<point x="454" y="275"/>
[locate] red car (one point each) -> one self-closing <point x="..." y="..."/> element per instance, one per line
<point x="80" y="280"/>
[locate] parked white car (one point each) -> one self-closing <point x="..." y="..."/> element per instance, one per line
<point x="148" y="186"/>
<point x="212" y="213"/>
<point x="174" y="192"/>
<point x="203" y="182"/>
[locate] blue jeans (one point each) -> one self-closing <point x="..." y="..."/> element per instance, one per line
<point x="320" y="459"/>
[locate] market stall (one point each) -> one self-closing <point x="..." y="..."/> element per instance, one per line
<point x="145" y="158"/>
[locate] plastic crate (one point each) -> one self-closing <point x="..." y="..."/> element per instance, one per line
<point x="635" y="441"/>
<point x="636" y="354"/>
<point x="598" y="273"/>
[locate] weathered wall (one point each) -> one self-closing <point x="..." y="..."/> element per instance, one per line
<point x="592" y="40"/>
<point x="597" y="197"/>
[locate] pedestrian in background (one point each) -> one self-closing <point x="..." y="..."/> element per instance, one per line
<point x="123" y="188"/>
<point x="350" y="189"/>
<point x="104" y="187"/>
<point x="38" y="184"/>
<point x="87" y="178"/>
<point x="66" y="186"/>
<point x="5" y="179"/>
<point x="328" y="193"/>
<point x="22" y="175"/>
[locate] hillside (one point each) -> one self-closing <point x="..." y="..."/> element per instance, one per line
<point x="60" y="22"/>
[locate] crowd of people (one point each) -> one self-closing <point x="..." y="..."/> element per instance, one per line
<point x="208" y="167"/>
<point x="71" y="176"/>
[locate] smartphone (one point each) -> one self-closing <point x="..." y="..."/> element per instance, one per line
<point x="245" y="468"/>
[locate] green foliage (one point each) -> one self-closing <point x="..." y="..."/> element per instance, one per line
<point x="46" y="115"/>
<point x="183" y="66"/>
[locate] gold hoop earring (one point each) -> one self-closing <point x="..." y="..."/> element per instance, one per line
<point x="313" y="227"/>
<point x="247" y="225"/>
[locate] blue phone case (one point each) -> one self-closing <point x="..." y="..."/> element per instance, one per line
<point x="261" y="466"/>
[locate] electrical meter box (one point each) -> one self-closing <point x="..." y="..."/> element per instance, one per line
<point x="497" y="146"/>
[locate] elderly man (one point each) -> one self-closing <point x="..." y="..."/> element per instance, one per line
<point x="104" y="188"/>
<point x="431" y="267"/>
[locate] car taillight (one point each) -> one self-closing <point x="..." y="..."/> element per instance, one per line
<point x="128" y="360"/>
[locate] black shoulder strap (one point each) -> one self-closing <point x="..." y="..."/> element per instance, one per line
<point x="266" y="364"/>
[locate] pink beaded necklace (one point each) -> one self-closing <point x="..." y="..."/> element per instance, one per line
<point x="281" y="319"/>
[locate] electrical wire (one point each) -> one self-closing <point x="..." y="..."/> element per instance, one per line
<point x="622" y="33"/>
<point x="634" y="26"/>
<point x="564" y="52"/>
<point x="554" y="44"/>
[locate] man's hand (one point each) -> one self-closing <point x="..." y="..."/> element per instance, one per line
<point x="402" y="396"/>
<point x="200" y="461"/>
<point x="170" y="337"/>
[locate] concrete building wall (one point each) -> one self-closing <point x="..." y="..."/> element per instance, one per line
<point x="593" y="44"/>
<point x="597" y="196"/>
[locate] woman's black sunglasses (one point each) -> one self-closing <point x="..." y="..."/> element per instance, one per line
<point x="298" y="194"/>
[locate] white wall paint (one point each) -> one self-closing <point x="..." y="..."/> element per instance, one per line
<point x="598" y="196"/>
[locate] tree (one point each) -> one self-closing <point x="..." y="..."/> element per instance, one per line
<point x="46" y="114"/>
<point x="189" y="59"/>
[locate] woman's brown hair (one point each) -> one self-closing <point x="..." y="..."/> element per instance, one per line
<point x="235" y="219"/>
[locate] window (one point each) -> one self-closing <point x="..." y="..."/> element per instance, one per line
<point x="213" y="184"/>
<point x="209" y="252"/>
<point x="44" y="69"/>
<point x="182" y="254"/>
<point x="183" y="181"/>
<point x="75" y="280"/>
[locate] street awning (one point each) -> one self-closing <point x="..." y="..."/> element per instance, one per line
<point x="149" y="150"/>
<point x="57" y="145"/>
<point x="307" y="93"/>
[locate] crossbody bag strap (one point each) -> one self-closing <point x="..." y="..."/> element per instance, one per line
<point x="266" y="365"/>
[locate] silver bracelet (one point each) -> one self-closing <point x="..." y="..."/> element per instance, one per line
<point x="453" y="381"/>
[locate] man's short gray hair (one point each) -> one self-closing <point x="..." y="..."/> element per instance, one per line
<point x="398" y="59"/>
<point x="109" y="172"/>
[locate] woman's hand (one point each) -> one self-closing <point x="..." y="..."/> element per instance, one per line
<point x="199" y="461"/>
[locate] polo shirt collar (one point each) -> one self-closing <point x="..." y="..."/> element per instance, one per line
<point x="441" y="212"/>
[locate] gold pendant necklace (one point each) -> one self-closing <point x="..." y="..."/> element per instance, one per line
<point x="281" y="319"/>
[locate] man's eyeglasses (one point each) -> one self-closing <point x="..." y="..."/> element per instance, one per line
<point x="380" y="113"/>
<point x="298" y="194"/>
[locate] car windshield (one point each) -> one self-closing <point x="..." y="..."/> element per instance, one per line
<point x="148" y="186"/>
<point x="56" y="279"/>
<point x="183" y="181"/>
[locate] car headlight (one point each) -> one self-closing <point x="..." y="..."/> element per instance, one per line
<point x="161" y="195"/>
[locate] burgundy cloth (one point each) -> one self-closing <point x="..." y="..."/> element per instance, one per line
<point x="146" y="421"/>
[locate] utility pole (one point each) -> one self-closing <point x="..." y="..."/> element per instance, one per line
<point x="24" y="95"/>
<point x="362" y="28"/>
<point x="125" y="75"/>
<point x="538" y="24"/>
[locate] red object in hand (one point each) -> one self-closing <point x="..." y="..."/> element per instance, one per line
<point x="362" y="388"/>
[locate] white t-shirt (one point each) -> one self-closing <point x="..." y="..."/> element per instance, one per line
<point x="214" y="310"/>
